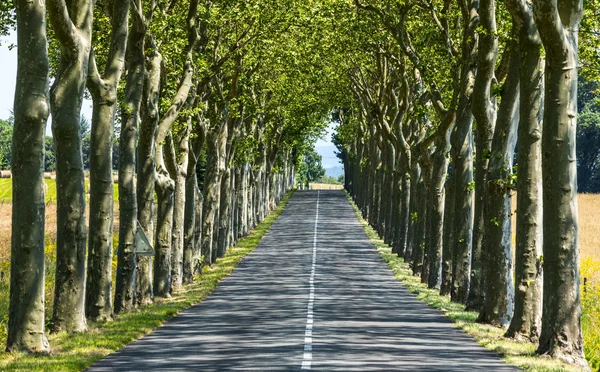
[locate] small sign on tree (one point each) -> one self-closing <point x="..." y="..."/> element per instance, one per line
<point x="142" y="245"/>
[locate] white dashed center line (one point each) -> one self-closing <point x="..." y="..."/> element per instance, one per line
<point x="307" y="359"/>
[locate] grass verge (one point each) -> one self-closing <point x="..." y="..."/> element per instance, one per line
<point x="518" y="353"/>
<point x="74" y="352"/>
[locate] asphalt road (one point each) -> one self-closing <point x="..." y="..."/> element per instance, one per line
<point x="280" y="312"/>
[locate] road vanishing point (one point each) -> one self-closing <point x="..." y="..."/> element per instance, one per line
<point x="315" y="294"/>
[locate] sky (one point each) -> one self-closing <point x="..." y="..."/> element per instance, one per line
<point x="326" y="148"/>
<point x="8" y="77"/>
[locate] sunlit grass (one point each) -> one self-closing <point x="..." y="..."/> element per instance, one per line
<point x="74" y="352"/>
<point x="521" y="354"/>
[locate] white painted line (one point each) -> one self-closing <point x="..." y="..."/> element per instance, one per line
<point x="307" y="358"/>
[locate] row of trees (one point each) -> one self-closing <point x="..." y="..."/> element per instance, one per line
<point x="444" y="94"/>
<point x="232" y="86"/>
<point x="243" y="86"/>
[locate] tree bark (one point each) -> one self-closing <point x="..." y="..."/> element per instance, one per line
<point x="499" y="288"/>
<point x="191" y="217"/>
<point x="165" y="188"/>
<point x="147" y="173"/>
<point x="126" y="259"/>
<point x="26" y="323"/>
<point x="528" y="266"/>
<point x="415" y="175"/>
<point x="72" y="26"/>
<point x="212" y="178"/>
<point x="448" y="237"/>
<point x="561" y="328"/>
<point x="463" y="166"/>
<point x="178" y="172"/>
<point x="98" y="303"/>
<point x="436" y="209"/>
<point x="484" y="111"/>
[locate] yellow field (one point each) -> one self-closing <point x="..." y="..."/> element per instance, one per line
<point x="589" y="225"/>
<point x="325" y="186"/>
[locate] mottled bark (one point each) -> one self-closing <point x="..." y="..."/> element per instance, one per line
<point x="484" y="111"/>
<point x="436" y="209"/>
<point x="396" y="205"/>
<point x="177" y="164"/>
<point x="388" y="193"/>
<point x="72" y="25"/>
<point x="404" y="212"/>
<point x="448" y="237"/>
<point x="498" y="279"/>
<point x="165" y="188"/>
<point x="191" y="216"/>
<point x="463" y="168"/>
<point x="420" y="252"/>
<point x="98" y="303"/>
<point x="212" y="184"/>
<point x="26" y="323"/>
<point x="126" y="259"/>
<point x="146" y="173"/>
<point x="415" y="175"/>
<point x="528" y="266"/>
<point x="561" y="327"/>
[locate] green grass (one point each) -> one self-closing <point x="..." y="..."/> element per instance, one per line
<point x="521" y="354"/>
<point x="74" y="352"/>
<point x="6" y="190"/>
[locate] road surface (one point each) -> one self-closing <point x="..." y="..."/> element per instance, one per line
<point x="313" y="295"/>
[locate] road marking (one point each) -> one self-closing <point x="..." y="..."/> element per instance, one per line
<point x="307" y="359"/>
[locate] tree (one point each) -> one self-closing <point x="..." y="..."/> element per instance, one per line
<point x="98" y="146"/>
<point x="85" y="142"/>
<point x="311" y="169"/>
<point x="49" y="155"/>
<point x="6" y="132"/>
<point x="561" y="328"/>
<point x="72" y="25"/>
<point x="528" y="265"/>
<point x="26" y="325"/>
<point x="588" y="151"/>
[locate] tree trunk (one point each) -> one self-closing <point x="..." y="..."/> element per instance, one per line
<point x="211" y="184"/>
<point x="104" y="94"/>
<point x="126" y="260"/>
<point x="528" y="266"/>
<point x="224" y="212"/>
<point x="389" y="192"/>
<point x="561" y="327"/>
<point x="72" y="25"/>
<point x="178" y="172"/>
<point x="191" y="216"/>
<point x="436" y="209"/>
<point x="484" y="111"/>
<point x="147" y="173"/>
<point x="463" y="193"/>
<point x="415" y="175"/>
<point x="26" y="323"/>
<point x="404" y="212"/>
<point x="499" y="289"/>
<point x="420" y="219"/>
<point x="396" y="205"/>
<point x="165" y="188"/>
<point x="448" y="237"/>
